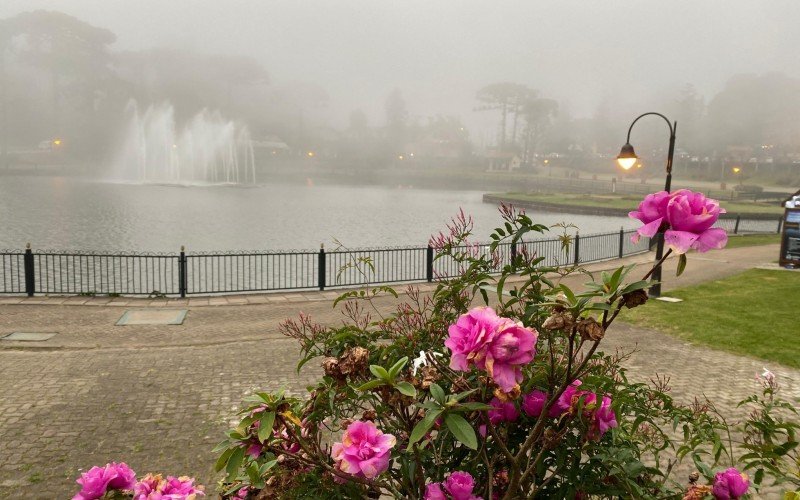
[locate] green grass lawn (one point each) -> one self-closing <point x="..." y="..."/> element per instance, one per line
<point x="756" y="313"/>
<point x="749" y="240"/>
<point x="631" y="202"/>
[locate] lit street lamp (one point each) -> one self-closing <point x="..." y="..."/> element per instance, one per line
<point x="627" y="159"/>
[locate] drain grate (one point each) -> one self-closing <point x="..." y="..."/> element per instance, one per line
<point x="152" y="317"/>
<point x="29" y="336"/>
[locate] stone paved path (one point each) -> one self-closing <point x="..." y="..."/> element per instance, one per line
<point x="159" y="396"/>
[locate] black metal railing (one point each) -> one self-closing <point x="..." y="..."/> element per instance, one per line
<point x="182" y="274"/>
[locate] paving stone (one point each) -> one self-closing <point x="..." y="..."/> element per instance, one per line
<point x="152" y="317"/>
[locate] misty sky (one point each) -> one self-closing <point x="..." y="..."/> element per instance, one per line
<point x="440" y="52"/>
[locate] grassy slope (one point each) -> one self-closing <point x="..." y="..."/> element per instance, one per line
<point x="754" y="314"/>
<point x="750" y="240"/>
<point x="630" y="202"/>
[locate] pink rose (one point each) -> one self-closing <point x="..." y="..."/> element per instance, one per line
<point x="364" y="450"/>
<point x="502" y="412"/>
<point x="533" y="403"/>
<point x="511" y="347"/>
<point x="125" y="477"/>
<point x="686" y="218"/>
<point x="154" y="487"/>
<point x="691" y="216"/>
<point x="564" y="402"/>
<point x="433" y="491"/>
<point x="652" y="212"/>
<point x="97" y="480"/>
<point x="460" y="486"/>
<point x="603" y="419"/>
<point x="730" y="485"/>
<point x="468" y="337"/>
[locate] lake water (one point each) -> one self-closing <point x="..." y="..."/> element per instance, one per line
<point x="69" y="214"/>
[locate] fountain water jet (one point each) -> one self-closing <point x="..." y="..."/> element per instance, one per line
<point x="207" y="150"/>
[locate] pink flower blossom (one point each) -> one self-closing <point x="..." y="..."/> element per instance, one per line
<point x="685" y="216"/>
<point x="498" y="345"/>
<point x="691" y="216"/>
<point x="533" y="403"/>
<point x="512" y="346"/>
<point x="241" y="494"/>
<point x="125" y="477"/>
<point x="460" y="485"/>
<point x="603" y="419"/>
<point x="652" y="212"/>
<point x="154" y="487"/>
<point x="433" y="491"/>
<point x="97" y="480"/>
<point x="364" y="450"/>
<point x="469" y="335"/>
<point x="502" y="412"/>
<point x="564" y="402"/>
<point x="730" y="485"/>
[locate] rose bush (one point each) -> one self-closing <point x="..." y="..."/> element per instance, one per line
<point x="509" y="394"/>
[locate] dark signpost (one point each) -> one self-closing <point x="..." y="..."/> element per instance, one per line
<point x="790" y="238"/>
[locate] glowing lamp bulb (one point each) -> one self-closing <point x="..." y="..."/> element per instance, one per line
<point x="627" y="157"/>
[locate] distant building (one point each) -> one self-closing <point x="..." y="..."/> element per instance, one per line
<point x="502" y="161"/>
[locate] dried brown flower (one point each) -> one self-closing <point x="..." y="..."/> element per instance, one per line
<point x="355" y="360"/>
<point x="558" y="321"/>
<point x="508" y="396"/>
<point x="332" y="369"/>
<point x="590" y="329"/>
<point x="634" y="299"/>
<point x="370" y="415"/>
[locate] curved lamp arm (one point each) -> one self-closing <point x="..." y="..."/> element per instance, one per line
<point x="671" y="128"/>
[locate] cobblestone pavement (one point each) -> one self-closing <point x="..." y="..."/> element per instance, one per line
<point x="158" y="396"/>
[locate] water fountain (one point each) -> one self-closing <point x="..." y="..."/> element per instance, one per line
<point x="206" y="150"/>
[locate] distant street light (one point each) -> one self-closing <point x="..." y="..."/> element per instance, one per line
<point x="57" y="142"/>
<point x="626" y="159"/>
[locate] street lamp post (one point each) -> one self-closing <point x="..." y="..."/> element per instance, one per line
<point x="627" y="158"/>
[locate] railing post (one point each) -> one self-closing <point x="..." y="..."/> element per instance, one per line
<point x="182" y="268"/>
<point x="30" y="280"/>
<point x="577" y="248"/>
<point x="621" y="242"/>
<point x="321" y="267"/>
<point x="736" y="227"/>
<point x="429" y="264"/>
<point x="513" y="251"/>
<point x="780" y="223"/>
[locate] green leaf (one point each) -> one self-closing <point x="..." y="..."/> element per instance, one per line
<point x="223" y="459"/>
<point x="681" y="264"/>
<point x="267" y="466"/>
<point x="423" y="427"/>
<point x="438" y="393"/>
<point x="397" y="367"/>
<point x="371" y="385"/>
<point x="253" y="473"/>
<point x="379" y="372"/>
<point x="265" y="425"/>
<point x="235" y="462"/>
<point x="406" y="389"/>
<point x="222" y="446"/>
<point x="461" y="430"/>
<point x="477" y="406"/>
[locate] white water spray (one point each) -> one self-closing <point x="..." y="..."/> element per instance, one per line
<point x="207" y="150"/>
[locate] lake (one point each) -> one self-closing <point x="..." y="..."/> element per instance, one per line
<point x="70" y="214"/>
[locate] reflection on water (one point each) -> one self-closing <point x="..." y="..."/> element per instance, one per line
<point x="69" y="214"/>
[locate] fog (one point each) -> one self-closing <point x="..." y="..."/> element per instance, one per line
<point x="284" y="68"/>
